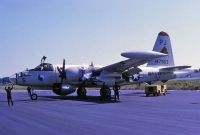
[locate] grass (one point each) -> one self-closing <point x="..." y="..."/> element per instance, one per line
<point x="172" y="84"/>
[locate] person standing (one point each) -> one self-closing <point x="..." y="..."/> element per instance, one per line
<point x="29" y="91"/>
<point x="116" y="91"/>
<point x="9" y="95"/>
<point x="103" y="91"/>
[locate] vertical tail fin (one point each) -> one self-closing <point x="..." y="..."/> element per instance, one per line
<point x="163" y="45"/>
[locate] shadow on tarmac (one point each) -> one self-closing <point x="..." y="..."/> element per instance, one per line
<point x="19" y="100"/>
<point x="93" y="99"/>
<point x="133" y="94"/>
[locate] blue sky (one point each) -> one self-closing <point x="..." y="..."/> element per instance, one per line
<point x="82" y="31"/>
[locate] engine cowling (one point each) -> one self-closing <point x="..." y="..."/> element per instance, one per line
<point x="63" y="89"/>
<point x="74" y="74"/>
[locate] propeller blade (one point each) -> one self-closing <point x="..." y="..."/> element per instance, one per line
<point x="59" y="70"/>
<point x="63" y="63"/>
<point x="62" y="72"/>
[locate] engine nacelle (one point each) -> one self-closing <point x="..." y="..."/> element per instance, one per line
<point x="74" y="74"/>
<point x="63" y="89"/>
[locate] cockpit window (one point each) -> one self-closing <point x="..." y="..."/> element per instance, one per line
<point x="43" y="67"/>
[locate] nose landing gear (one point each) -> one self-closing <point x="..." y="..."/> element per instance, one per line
<point x="31" y="93"/>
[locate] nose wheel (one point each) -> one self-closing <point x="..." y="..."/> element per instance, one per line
<point x="31" y="94"/>
<point x="34" y="96"/>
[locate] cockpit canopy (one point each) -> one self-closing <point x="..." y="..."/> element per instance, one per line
<point x="43" y="67"/>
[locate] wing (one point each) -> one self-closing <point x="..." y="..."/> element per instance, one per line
<point x="174" y="68"/>
<point x="135" y="59"/>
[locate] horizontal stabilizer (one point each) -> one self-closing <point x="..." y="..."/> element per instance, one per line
<point x="174" y="68"/>
<point x="146" y="55"/>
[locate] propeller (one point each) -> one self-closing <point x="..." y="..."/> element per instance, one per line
<point x="62" y="72"/>
<point x="92" y="64"/>
<point x="87" y="74"/>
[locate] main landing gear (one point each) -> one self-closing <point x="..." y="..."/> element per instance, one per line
<point x="81" y="92"/>
<point x="105" y="92"/>
<point x="31" y="93"/>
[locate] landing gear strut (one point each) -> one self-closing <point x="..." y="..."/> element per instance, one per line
<point x="31" y="93"/>
<point x="81" y="92"/>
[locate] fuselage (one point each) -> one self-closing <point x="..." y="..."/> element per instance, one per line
<point x="48" y="75"/>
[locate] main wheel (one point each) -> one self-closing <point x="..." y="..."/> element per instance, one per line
<point x="81" y="92"/>
<point x="105" y="93"/>
<point x="108" y="93"/>
<point x="102" y="92"/>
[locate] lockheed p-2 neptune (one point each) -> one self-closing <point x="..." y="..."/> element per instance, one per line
<point x="66" y="79"/>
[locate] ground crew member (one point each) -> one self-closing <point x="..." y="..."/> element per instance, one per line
<point x="116" y="91"/>
<point x="103" y="91"/>
<point x="9" y="95"/>
<point x="29" y="91"/>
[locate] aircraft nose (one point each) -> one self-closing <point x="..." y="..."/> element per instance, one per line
<point x="22" y="77"/>
<point x="19" y="78"/>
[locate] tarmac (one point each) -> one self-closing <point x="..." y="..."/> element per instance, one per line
<point x="177" y="113"/>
